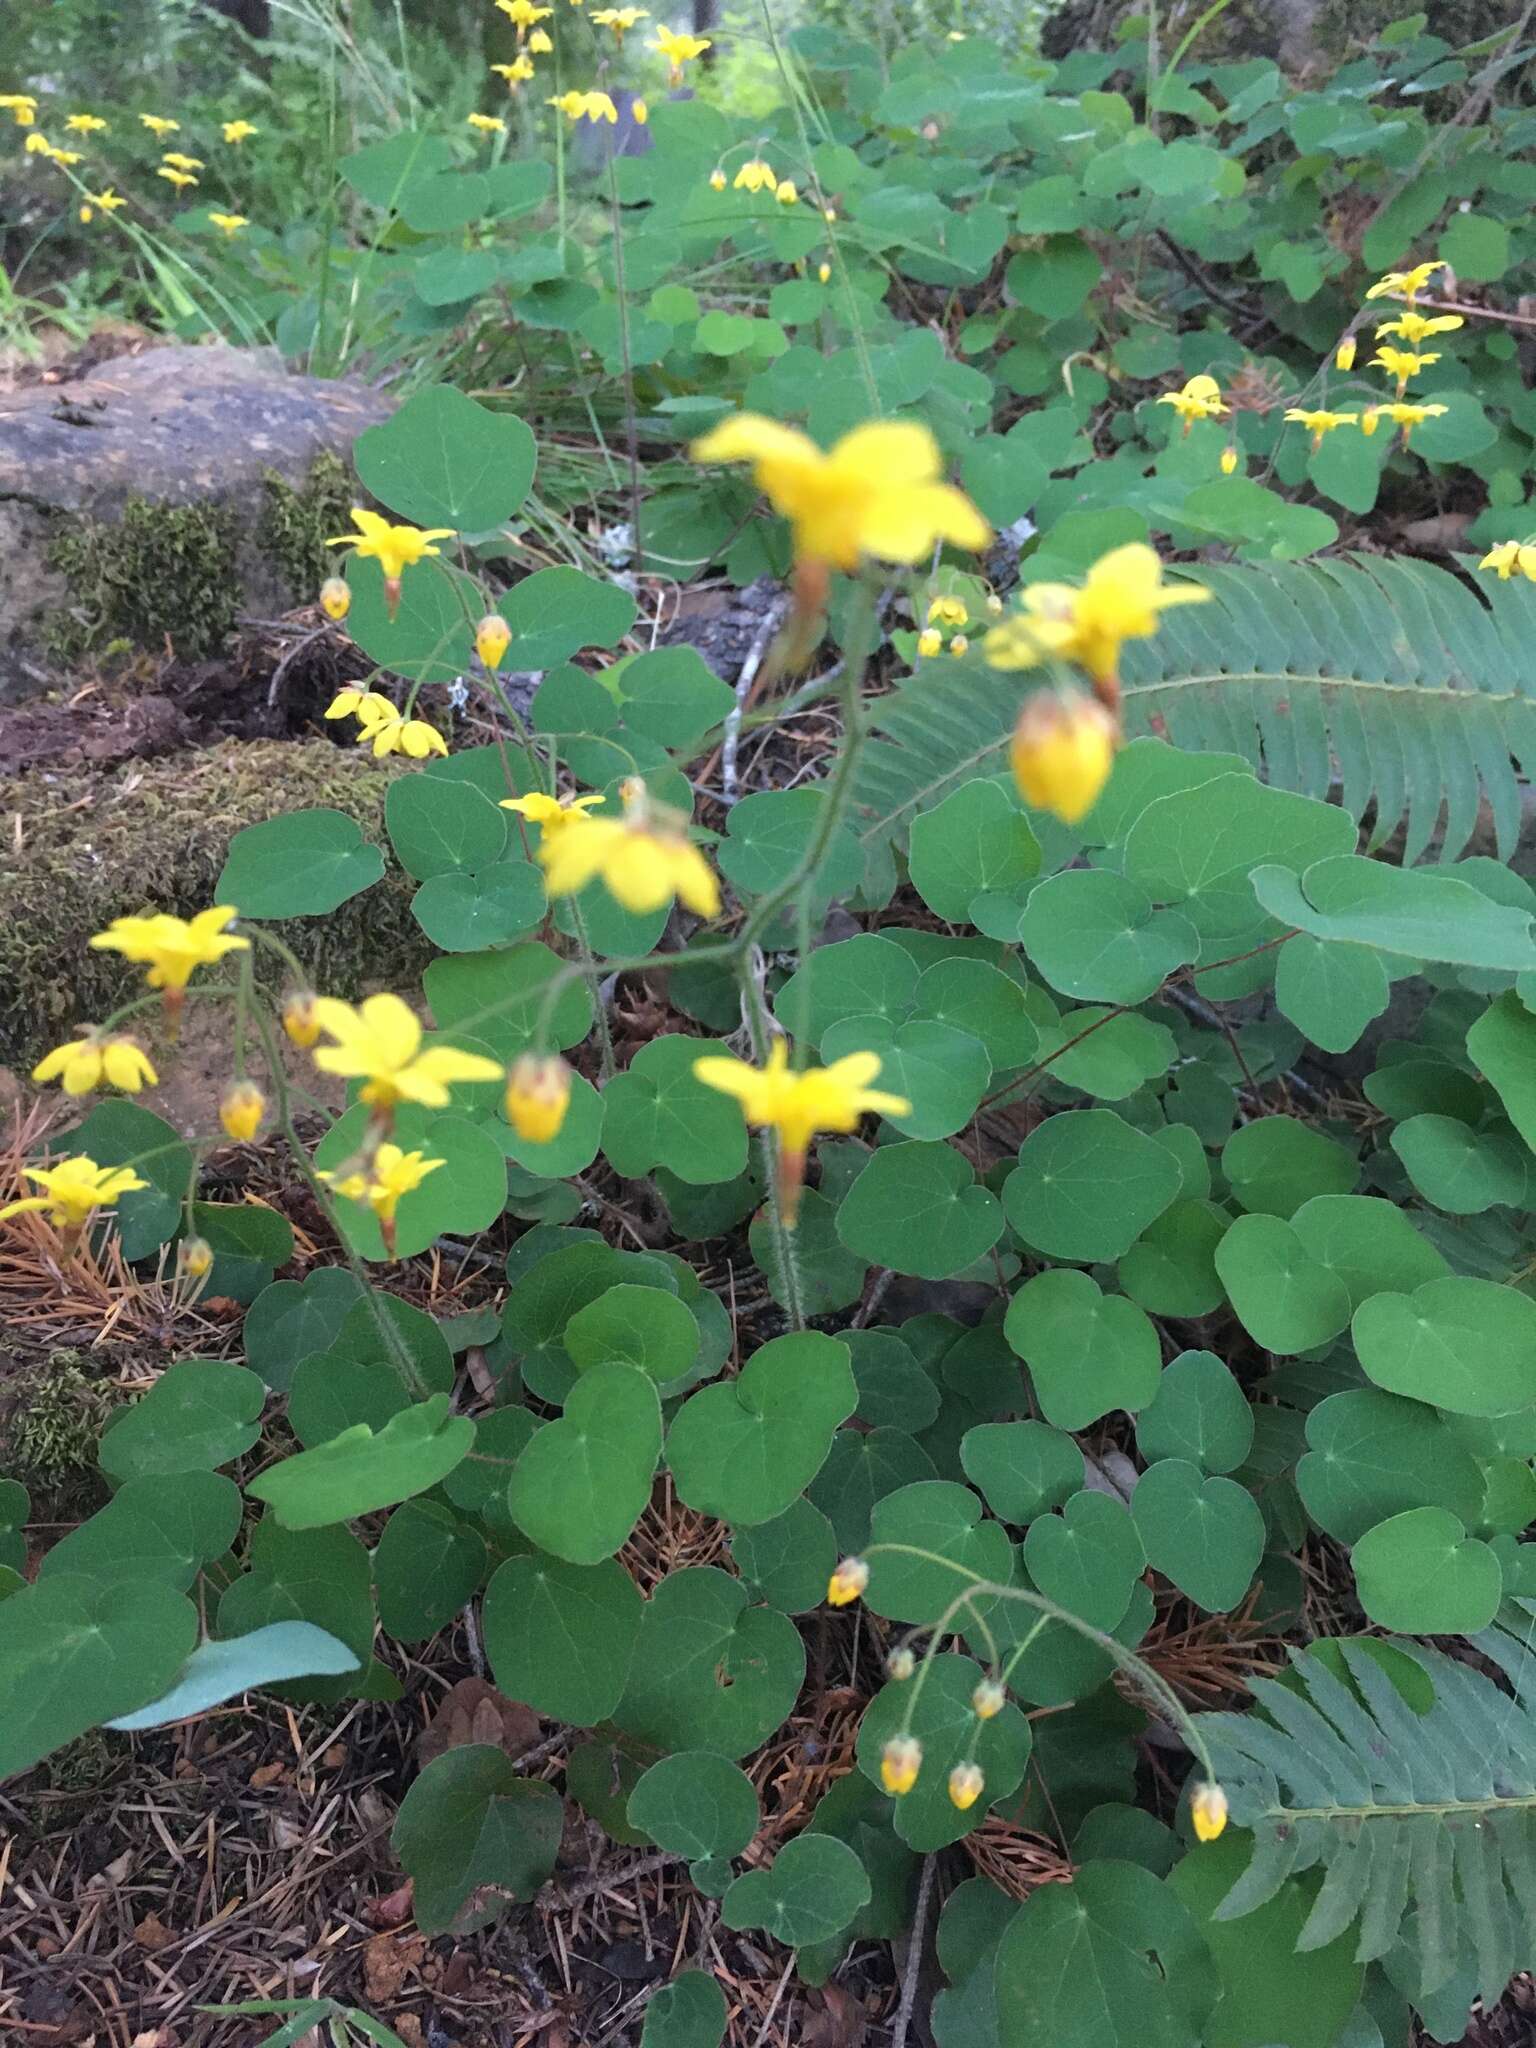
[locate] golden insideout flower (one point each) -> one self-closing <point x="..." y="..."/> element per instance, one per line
<point x="390" y="1174"/>
<point x="1401" y="415"/>
<point x="517" y="73"/>
<point x="1208" y="1811"/>
<point x="900" y="1761"/>
<point x="947" y="611"/>
<point x="552" y="814"/>
<point x="966" y="1785"/>
<point x="37" y="144"/>
<point x="241" y="1109"/>
<point x="785" y="192"/>
<point x="108" y="201"/>
<point x="301" y="1020"/>
<point x="538" y="1095"/>
<point x="1122" y="598"/>
<point x="717" y="179"/>
<point x="85" y="124"/>
<point x="539" y="43"/>
<point x="1228" y="460"/>
<point x="180" y="179"/>
<point x="1200" y="399"/>
<point x="585" y="106"/>
<point x="644" y="860"/>
<point x="335" y="602"/>
<point x="824" y="273"/>
<point x="182" y="162"/>
<point x="678" y="49"/>
<point x="1344" y="354"/>
<point x="877" y="491"/>
<point x="239" y="131"/>
<point x="379" y="1043"/>
<point x="73" y="1190"/>
<point x="172" y="948"/>
<point x="66" y="158"/>
<point x="194" y="1258"/>
<point x="639" y="113"/>
<point x="21" y="106"/>
<point x="847" y="1582"/>
<point x="160" y="126"/>
<point x="1401" y="363"/>
<point x="900" y="1665"/>
<point x="1318" y="424"/>
<point x="493" y="636"/>
<point x="523" y="15"/>
<point x="930" y="642"/>
<point x="356" y="702"/>
<point x="988" y="1700"/>
<point x="1404" y="284"/>
<point x="394" y="548"/>
<point x="620" y="19"/>
<point x="229" y="223"/>
<point x="1504" y="558"/>
<point x="392" y="732"/>
<point x="1416" y="327"/>
<point x="959" y="644"/>
<point x="1063" y="749"/>
<point x="755" y="176"/>
<point x="488" y="124"/>
<point x="84" y="1063"/>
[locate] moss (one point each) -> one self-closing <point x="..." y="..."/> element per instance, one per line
<point x="160" y="573"/>
<point x="154" y="835"/>
<point x="295" y="524"/>
<point x="81" y="1768"/>
<point x="53" y="1432"/>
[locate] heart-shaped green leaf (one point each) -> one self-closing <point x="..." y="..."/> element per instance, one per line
<point x="561" y="1636"/>
<point x="302" y="864"/>
<point x="427" y="1564"/>
<point x="1087" y="1558"/>
<point x="945" y="1520"/>
<point x="695" y="1804"/>
<point x="745" y="1449"/>
<point x="1205" y="1534"/>
<point x="1372" y="1455"/>
<point x="1285" y="1297"/>
<point x="1419" y="1573"/>
<point x="470" y="1820"/>
<point x="640" y="1326"/>
<point x="917" y="1208"/>
<point x="946" y="1724"/>
<point x="811" y="1891"/>
<point x="1087" y="1185"/>
<point x="198" y="1414"/>
<point x="1088" y="1352"/>
<point x="710" y="1671"/>
<point x="1199" y="1412"/>
<point x="362" y="1470"/>
<point x="582" y="1483"/>
<point x="1023" y="1468"/>
<point x="659" y="1113"/>
<point x="1458" y="1343"/>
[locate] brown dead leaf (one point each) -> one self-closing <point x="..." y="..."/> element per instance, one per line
<point x="115" y="1873"/>
<point x="459" y="1977"/>
<point x="267" y="1774"/>
<point x="474" y="1711"/>
<point x="835" y="2019"/>
<point x="408" y="2027"/>
<point x="152" y="1933"/>
<point x="335" y="1756"/>
<point x="394" y="1909"/>
<point x="388" y="1959"/>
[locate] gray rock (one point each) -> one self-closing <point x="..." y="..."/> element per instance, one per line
<point x="181" y="427"/>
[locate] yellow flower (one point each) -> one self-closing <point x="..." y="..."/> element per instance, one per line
<point x="679" y="49"/>
<point x="488" y="124"/>
<point x="335" y="602"/>
<point x="1401" y="363"/>
<point x="241" y="1109"/>
<point x="1122" y="598"/>
<point x="900" y="1761"/>
<point x="85" y="124"/>
<point x="1319" y="423"/>
<point x="183" y="163"/>
<point x="172" y="948"/>
<point x="109" y="201"/>
<point x="645" y="860"/>
<point x="394" y="548"/>
<point x="785" y="193"/>
<point x="390" y="1174"/>
<point x="1404" y="284"/>
<point x="230" y="223"/>
<point x="538" y="1095"/>
<point x="824" y="272"/>
<point x="194" y="1257"/>
<point x="947" y="611"/>
<point x="1405" y="416"/>
<point x="539" y="43"/>
<point x="1416" y="327"/>
<point x="523" y="15"/>
<point x="988" y="1700"/>
<point x="847" y="1582"/>
<point x="239" y="131"/>
<point x="1504" y="558"/>
<point x="21" y="106"/>
<point x="959" y="644"/>
<point x="1200" y="399"/>
<point x="1208" y="1811"/>
<point x="38" y="145"/>
<point x="84" y="1063"/>
<point x="876" y="492"/>
<point x="379" y="1043"/>
<point x="552" y="814"/>
<point x="966" y="1785"/>
<point x="717" y="179"/>
<point x="585" y="106"/>
<point x="159" y="126"/>
<point x="798" y="1105"/>
<point x="356" y="702"/>
<point x="1063" y="749"/>
<point x="66" y="157"/>
<point x="180" y="179"/>
<point x="639" y="113"/>
<point x="1228" y="460"/>
<point x="619" y="19"/>
<point x="493" y="636"/>
<point x="73" y="1189"/>
<point x="929" y="642"/>
<point x="392" y="732"/>
<point x="517" y="73"/>
<point x="300" y="1019"/>
<point x="755" y="176"/>
<point x="1344" y="354"/>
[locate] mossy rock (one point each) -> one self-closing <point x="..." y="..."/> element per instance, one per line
<point x="153" y="836"/>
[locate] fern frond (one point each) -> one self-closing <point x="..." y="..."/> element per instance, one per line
<point x="1423" y="1821"/>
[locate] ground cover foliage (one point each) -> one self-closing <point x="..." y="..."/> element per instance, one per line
<point x="1111" y="1060"/>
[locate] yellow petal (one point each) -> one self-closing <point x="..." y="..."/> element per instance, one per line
<point x="884" y="453"/>
<point x="749" y="437"/>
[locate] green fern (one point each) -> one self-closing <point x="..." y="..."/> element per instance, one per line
<point x="1397" y="683"/>
<point x="1421" y="1817"/>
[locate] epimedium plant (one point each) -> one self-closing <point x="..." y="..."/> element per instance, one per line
<point x="1212" y="1321"/>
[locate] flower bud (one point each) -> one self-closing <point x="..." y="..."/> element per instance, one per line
<point x="1344" y="354"/>
<point x="959" y="644"/>
<point x="538" y="1093"/>
<point x="786" y="192"/>
<point x="929" y="642"/>
<point x="988" y="1699"/>
<point x="194" y="1257"/>
<point x="717" y="180"/>
<point x="824" y="272"/>
<point x="335" y="598"/>
<point x="1370" y="420"/>
<point x="1063" y="750"/>
<point x="848" y="1581"/>
<point x="493" y="636"/>
<point x="242" y="1109"/>
<point x="299" y="1019"/>
<point x="966" y="1784"/>
<point x="640" y="113"/>
<point x="829" y="213"/>
<point x="1228" y="461"/>
<point x="900" y="1665"/>
<point x="994" y="604"/>
<point x="1208" y="1811"/>
<point x="900" y="1761"/>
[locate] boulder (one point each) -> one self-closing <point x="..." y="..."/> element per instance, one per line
<point x="154" y="497"/>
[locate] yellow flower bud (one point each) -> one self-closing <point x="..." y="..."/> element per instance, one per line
<point x="786" y="192"/>
<point x="1228" y="461"/>
<point x="538" y="1092"/>
<point x="848" y="1581"/>
<point x="1063" y="750"/>
<point x="1344" y="354"/>
<point x="1208" y="1811"/>
<point x="929" y="641"/>
<point x="299" y="1019"/>
<point x="966" y="1784"/>
<point x="242" y="1109"/>
<point x="717" y="179"/>
<point x="829" y="213"/>
<point x="1370" y="420"/>
<point x="824" y="272"/>
<point x="335" y="598"/>
<point x="900" y="1664"/>
<point x="493" y="636"/>
<point x="988" y="1699"/>
<point x="640" y="112"/>
<point x="994" y="604"/>
<point x="900" y="1761"/>
<point x="959" y="644"/>
<point x="194" y="1256"/>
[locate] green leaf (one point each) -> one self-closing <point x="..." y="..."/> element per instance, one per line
<point x="944" y="1520"/>
<point x="658" y="1113"/>
<point x="976" y="840"/>
<point x="917" y="1208"/>
<point x="1285" y="1297"/>
<point x="1088" y="1352"/>
<point x="430" y="638"/>
<point x="437" y="826"/>
<point x="894" y="1390"/>
<point x="1462" y="1344"/>
<point x="1099" y="938"/>
<point x="385" y="172"/>
<point x="1369" y="1244"/>
<point x="745" y="1449"/>
<point x="1087" y="1185"/>
<point x="769" y="835"/>
<point x="1503" y="1044"/>
<point x="443" y="460"/>
<point x="80" y="1651"/>
<point x="1171" y="1269"/>
<point x="1198" y="842"/>
<point x="291" y="1320"/>
<point x="1372" y="1455"/>
<point x="427" y="1564"/>
<point x="198" y="1414"/>
<point x="1415" y="913"/>
<point x="123" y="1134"/>
<point x="866" y="976"/>
<point x="561" y="1636"/>
<point x="943" y="1073"/>
<point x="1276" y="1163"/>
<point x="639" y="1326"/>
<point x="986" y="1004"/>
<point x="672" y="696"/>
<point x="498" y="998"/>
<point x="1205" y="1534"/>
<point x="1055" y="279"/>
<point x="151" y="1531"/>
<point x="466" y="1194"/>
<point x="1022" y="1468"/>
<point x="1087" y="1558"/>
<point x="945" y="1723"/>
<point x="687" y="2013"/>
<point x="1461" y="1170"/>
<point x="554" y="612"/>
<point x="463" y="912"/>
<point x="827" y="1275"/>
<point x="221" y="1671"/>
<point x="1199" y="1413"/>
<point x="584" y="1479"/>
<point x="318" y="1575"/>
<point x="1420" y="1572"/>
<point x="862" y="1467"/>
<point x="790" y="1559"/>
<point x="695" y="1804"/>
<point x="811" y="1891"/>
<point x="1330" y="993"/>
<point x="302" y="864"/>
<point x="360" y="1470"/>
<point x="710" y="1671"/>
<point x="469" y="1820"/>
